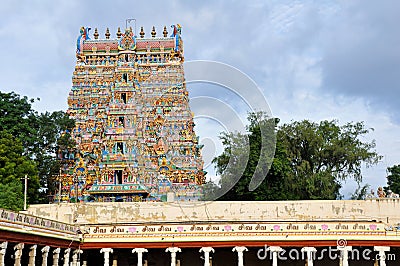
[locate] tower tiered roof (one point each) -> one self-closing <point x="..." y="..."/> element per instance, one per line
<point x="134" y="128"/>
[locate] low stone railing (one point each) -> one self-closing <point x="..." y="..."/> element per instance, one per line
<point x="25" y="223"/>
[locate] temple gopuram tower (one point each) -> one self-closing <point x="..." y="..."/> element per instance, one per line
<point x="134" y="128"/>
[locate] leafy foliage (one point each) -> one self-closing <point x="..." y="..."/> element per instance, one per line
<point x="38" y="138"/>
<point x="17" y="118"/>
<point x="361" y="192"/>
<point x="311" y="160"/>
<point x="14" y="166"/>
<point x="325" y="154"/>
<point x="51" y="138"/>
<point x="393" y="179"/>
<point x="11" y="196"/>
<point x="246" y="160"/>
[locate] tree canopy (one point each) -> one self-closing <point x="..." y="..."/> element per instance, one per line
<point x="13" y="167"/>
<point x="393" y="179"/>
<point x="18" y="118"/>
<point x="311" y="160"/>
<point x="52" y="135"/>
<point x="30" y="143"/>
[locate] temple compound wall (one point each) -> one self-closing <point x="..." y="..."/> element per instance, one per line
<point x="385" y="210"/>
<point x="325" y="233"/>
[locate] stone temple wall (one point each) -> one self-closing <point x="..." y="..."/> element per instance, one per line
<point x="385" y="210"/>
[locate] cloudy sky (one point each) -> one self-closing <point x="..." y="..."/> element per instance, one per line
<point x="312" y="59"/>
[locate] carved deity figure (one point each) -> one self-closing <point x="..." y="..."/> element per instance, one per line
<point x="381" y="193"/>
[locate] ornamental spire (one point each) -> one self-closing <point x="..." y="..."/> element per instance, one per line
<point x="96" y="34"/>
<point x="141" y="32"/>
<point x="165" y="32"/>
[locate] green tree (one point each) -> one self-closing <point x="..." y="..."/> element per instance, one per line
<point x="246" y="159"/>
<point x="361" y="192"/>
<point x="14" y="166"/>
<point x="53" y="137"/>
<point x="18" y="118"/>
<point x="11" y="196"/>
<point x="311" y="161"/>
<point x="393" y="179"/>
<point x="230" y="165"/>
<point x="324" y="155"/>
<point x="42" y="137"/>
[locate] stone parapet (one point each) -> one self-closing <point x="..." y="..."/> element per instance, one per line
<point x="380" y="210"/>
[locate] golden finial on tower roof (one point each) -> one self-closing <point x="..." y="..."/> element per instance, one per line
<point x="107" y="34"/>
<point x="141" y="32"/>
<point x="153" y="32"/>
<point x="96" y="34"/>
<point x="119" y="33"/>
<point x="165" y="32"/>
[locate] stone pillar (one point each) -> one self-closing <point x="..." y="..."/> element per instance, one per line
<point x="240" y="251"/>
<point x="173" y="251"/>
<point x="275" y="251"/>
<point x="344" y="255"/>
<point x="32" y="255"/>
<point x="106" y="252"/>
<point x="310" y="254"/>
<point x="206" y="251"/>
<point x="382" y="255"/>
<point x="66" y="257"/>
<point x="18" y="254"/>
<point x="3" y="249"/>
<point x="139" y="252"/>
<point x="56" y="256"/>
<point x="75" y="260"/>
<point x="45" y="254"/>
